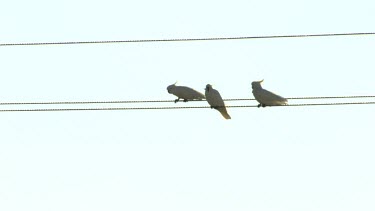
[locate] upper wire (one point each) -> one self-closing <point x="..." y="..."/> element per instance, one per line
<point x="169" y="101"/>
<point x="188" y="39"/>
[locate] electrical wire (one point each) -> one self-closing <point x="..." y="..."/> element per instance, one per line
<point x="188" y="39"/>
<point x="169" y="101"/>
<point x="183" y="107"/>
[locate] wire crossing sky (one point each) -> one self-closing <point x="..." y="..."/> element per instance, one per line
<point x="190" y="39"/>
<point x="180" y="107"/>
<point x="169" y="101"/>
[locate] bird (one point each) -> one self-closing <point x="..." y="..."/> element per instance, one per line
<point x="265" y="97"/>
<point x="185" y="93"/>
<point x="213" y="98"/>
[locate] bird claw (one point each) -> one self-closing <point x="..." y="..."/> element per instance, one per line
<point x="185" y="100"/>
<point x="263" y="105"/>
<point x="176" y="100"/>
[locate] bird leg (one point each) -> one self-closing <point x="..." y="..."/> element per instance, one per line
<point x="185" y="100"/>
<point x="175" y="101"/>
<point x="261" y="104"/>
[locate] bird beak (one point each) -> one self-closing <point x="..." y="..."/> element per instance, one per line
<point x="261" y="81"/>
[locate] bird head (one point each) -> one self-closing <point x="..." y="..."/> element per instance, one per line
<point x="257" y="84"/>
<point x="208" y="87"/>
<point x="171" y="87"/>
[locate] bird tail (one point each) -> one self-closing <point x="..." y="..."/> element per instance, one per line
<point x="224" y="112"/>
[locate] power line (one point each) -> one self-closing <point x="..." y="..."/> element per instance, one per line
<point x="183" y="107"/>
<point x="170" y="101"/>
<point x="331" y="97"/>
<point x="188" y="39"/>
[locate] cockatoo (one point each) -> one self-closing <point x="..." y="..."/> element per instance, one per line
<point x="184" y="92"/>
<point x="213" y="98"/>
<point x="265" y="97"/>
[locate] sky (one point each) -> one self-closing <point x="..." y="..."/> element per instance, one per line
<point x="273" y="158"/>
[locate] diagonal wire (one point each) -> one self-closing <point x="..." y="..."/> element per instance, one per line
<point x="188" y="39"/>
<point x="170" y="101"/>
<point x="183" y="107"/>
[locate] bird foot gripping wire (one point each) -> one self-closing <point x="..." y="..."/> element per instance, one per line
<point x="261" y="105"/>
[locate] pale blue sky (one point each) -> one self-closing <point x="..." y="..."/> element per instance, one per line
<point x="284" y="158"/>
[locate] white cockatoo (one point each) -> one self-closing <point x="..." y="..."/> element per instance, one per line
<point x="213" y="98"/>
<point x="184" y="92"/>
<point x="265" y="97"/>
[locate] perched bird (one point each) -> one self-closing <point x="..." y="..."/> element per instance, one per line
<point x="184" y="92"/>
<point x="265" y="97"/>
<point x="213" y="98"/>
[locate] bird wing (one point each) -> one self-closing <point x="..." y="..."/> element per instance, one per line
<point x="188" y="93"/>
<point x="214" y="98"/>
<point x="269" y="98"/>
